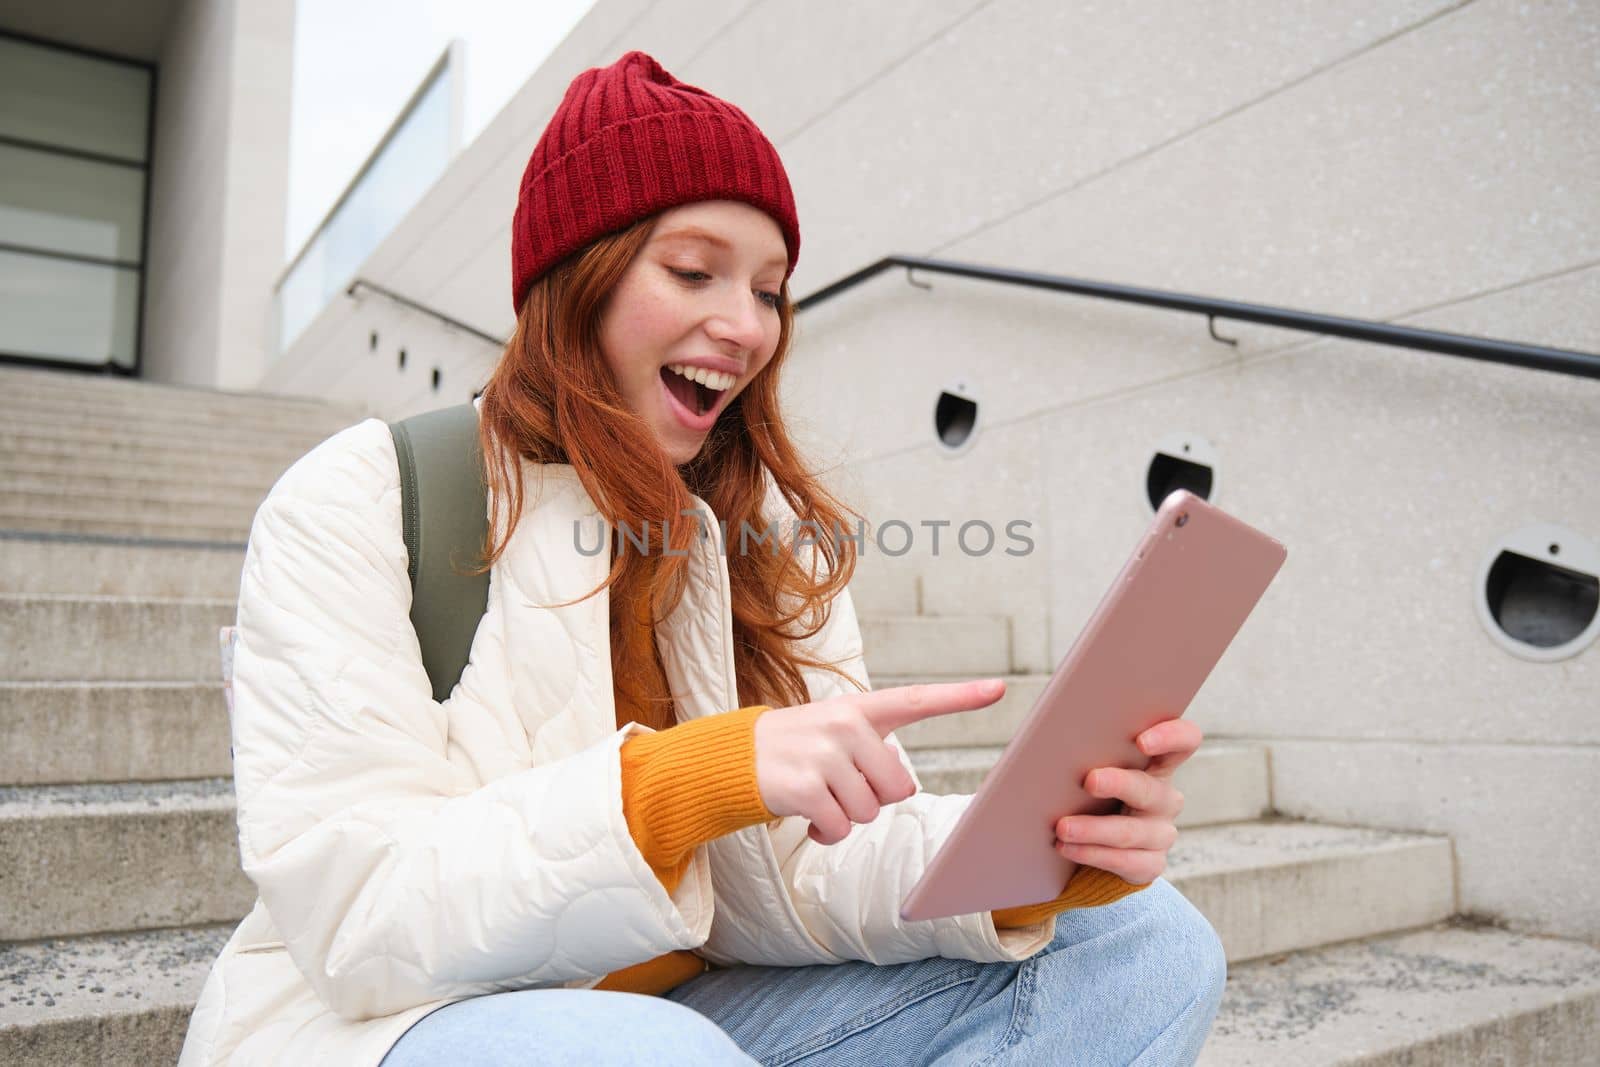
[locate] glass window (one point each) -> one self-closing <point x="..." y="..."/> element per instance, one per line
<point x="62" y="203"/>
<point x="61" y="309"/>
<point x="73" y="172"/>
<point x="407" y="163"/>
<point x="67" y="100"/>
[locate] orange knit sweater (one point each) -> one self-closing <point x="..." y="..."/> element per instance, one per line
<point x="696" y="781"/>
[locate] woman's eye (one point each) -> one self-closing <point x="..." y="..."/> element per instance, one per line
<point x="694" y="277"/>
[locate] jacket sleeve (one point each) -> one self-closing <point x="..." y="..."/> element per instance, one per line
<point x="394" y="876"/>
<point x="691" y="783"/>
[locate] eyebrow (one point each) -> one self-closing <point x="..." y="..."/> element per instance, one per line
<point x="695" y="232"/>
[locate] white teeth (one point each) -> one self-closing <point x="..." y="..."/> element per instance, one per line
<point x="714" y="380"/>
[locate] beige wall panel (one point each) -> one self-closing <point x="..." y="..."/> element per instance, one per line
<point x="1390" y="475"/>
<point x="1521" y="817"/>
<point x="1454" y="159"/>
<point x="371" y="378"/>
<point x="1025" y="100"/>
<point x="676" y="31"/>
<point x="1022" y="352"/>
<point x="478" y="288"/>
<point x="785" y="79"/>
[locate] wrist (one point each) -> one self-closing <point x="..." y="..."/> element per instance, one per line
<point x="694" y="781"/>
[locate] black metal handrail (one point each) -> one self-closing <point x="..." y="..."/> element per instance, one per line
<point x="1538" y="357"/>
<point x="362" y="283"/>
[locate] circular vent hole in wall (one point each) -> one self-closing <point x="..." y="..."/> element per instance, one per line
<point x="1539" y="593"/>
<point x="955" y="416"/>
<point x="1181" y="461"/>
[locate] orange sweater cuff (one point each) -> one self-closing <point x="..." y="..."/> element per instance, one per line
<point x="1087" y="888"/>
<point x="689" y="784"/>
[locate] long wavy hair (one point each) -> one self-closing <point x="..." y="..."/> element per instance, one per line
<point x="552" y="399"/>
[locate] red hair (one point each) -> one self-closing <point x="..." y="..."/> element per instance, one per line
<point x="553" y="399"/>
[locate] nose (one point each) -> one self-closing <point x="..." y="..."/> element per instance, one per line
<point x="738" y="321"/>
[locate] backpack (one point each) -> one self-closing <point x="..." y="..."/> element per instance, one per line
<point x="444" y="508"/>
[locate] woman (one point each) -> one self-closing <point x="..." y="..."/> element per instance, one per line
<point x="652" y="821"/>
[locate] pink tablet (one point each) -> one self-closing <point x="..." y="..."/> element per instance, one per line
<point x="1160" y="629"/>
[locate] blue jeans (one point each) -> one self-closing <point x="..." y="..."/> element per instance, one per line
<point x="1134" y="982"/>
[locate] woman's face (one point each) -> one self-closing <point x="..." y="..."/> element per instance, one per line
<point x="701" y="296"/>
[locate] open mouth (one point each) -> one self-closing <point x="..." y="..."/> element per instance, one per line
<point x="692" y="395"/>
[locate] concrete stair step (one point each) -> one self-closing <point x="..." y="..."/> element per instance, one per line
<point x="83" y="859"/>
<point x="129" y="508"/>
<point x="236" y="410"/>
<point x="89" y="565"/>
<point x="180" y="469"/>
<point x="217" y="468"/>
<point x="1223" y="782"/>
<point x="179" y="414"/>
<point x="65" y="512"/>
<point x="58" y="733"/>
<point x="43" y="386"/>
<point x="1454" y="993"/>
<point x="27" y="445"/>
<point x="930" y="646"/>
<point x="169" y="433"/>
<point x="116" y="1000"/>
<point x="1279" y="885"/>
<point x="52" y="489"/>
<point x="109" y="638"/>
<point x="49" y="522"/>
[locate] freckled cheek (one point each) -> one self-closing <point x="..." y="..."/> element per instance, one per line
<point x="769" y="351"/>
<point x="637" y="343"/>
<point x="748" y="381"/>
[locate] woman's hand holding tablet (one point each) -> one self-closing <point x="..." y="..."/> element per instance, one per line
<point x="1133" y="846"/>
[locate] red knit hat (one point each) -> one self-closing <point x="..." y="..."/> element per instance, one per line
<point x="630" y="140"/>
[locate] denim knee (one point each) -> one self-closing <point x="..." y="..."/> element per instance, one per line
<point x="1166" y="926"/>
<point x="564" y="1025"/>
<point x="1191" y="941"/>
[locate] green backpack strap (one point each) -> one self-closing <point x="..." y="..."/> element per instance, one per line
<point x="444" y="516"/>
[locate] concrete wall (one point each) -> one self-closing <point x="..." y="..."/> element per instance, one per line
<point x="1419" y="162"/>
<point x="219" y="191"/>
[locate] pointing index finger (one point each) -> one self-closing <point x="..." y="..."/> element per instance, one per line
<point x="890" y="709"/>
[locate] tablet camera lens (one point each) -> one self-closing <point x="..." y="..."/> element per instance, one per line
<point x="1183" y="518"/>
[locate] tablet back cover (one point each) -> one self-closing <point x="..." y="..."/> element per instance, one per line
<point x="1159" y="630"/>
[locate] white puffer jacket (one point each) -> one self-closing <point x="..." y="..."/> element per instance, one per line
<point x="409" y="853"/>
